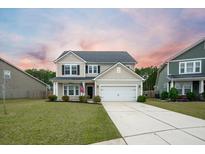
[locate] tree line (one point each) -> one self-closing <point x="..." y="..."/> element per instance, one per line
<point x="148" y="73"/>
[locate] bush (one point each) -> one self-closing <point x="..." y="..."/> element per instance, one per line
<point x="164" y="95"/>
<point x="96" y="99"/>
<point x="65" y="98"/>
<point x="173" y="94"/>
<point x="83" y="99"/>
<point x="203" y="94"/>
<point x="141" y="99"/>
<point x="52" y="98"/>
<point x="191" y="96"/>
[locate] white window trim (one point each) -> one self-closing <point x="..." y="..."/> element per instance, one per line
<point x="185" y="67"/>
<point x="183" y="84"/>
<point x="93" y="69"/>
<point x="71" y="70"/>
<point x="74" y="88"/>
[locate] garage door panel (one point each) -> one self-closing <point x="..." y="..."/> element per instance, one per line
<point x="118" y="93"/>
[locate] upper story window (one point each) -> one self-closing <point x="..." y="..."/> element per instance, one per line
<point x="92" y="69"/>
<point x="190" y="67"/>
<point x="70" y="69"/>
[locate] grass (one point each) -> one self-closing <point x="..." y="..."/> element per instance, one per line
<point x="195" y="109"/>
<point x="41" y="122"/>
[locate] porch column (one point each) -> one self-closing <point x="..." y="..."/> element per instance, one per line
<point x="201" y="86"/>
<point x="83" y="88"/>
<point x="172" y="83"/>
<point x="54" y="88"/>
<point x="167" y="86"/>
<point x="95" y="89"/>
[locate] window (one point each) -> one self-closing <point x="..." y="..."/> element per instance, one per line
<point x="187" y="88"/>
<point x="182" y="67"/>
<point x="95" y="68"/>
<point x="183" y="87"/>
<point x="92" y="69"/>
<point x="178" y="86"/>
<point x="197" y="67"/>
<point x="67" y="69"/>
<point x="190" y="67"/>
<point x="76" y="90"/>
<point x="70" y="69"/>
<point x="71" y="90"/>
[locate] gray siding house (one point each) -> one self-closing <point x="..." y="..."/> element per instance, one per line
<point x="184" y="71"/>
<point x="109" y="74"/>
<point x="21" y="84"/>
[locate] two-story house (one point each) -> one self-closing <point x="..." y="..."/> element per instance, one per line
<point x="109" y="74"/>
<point x="184" y="71"/>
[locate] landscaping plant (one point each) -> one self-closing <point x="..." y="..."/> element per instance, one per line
<point x="65" y="98"/>
<point x="52" y="98"/>
<point x="191" y="96"/>
<point x="83" y="99"/>
<point x="173" y="94"/>
<point x="164" y="95"/>
<point x="141" y="98"/>
<point x="96" y="99"/>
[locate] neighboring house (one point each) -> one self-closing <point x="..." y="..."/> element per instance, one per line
<point x="107" y="74"/>
<point x="185" y="71"/>
<point x="21" y="84"/>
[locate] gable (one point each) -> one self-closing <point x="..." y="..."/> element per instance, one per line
<point x="124" y="73"/>
<point x="196" y="51"/>
<point x="70" y="58"/>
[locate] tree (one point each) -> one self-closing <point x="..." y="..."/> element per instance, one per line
<point x="150" y="76"/>
<point x="41" y="74"/>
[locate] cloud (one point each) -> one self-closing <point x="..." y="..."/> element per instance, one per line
<point x="193" y="13"/>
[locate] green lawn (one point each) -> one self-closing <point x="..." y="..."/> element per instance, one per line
<point x="195" y="109"/>
<point x="41" y="122"/>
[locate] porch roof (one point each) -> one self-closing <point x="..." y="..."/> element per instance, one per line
<point x="187" y="77"/>
<point x="71" y="78"/>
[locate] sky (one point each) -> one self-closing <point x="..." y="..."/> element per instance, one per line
<point x="34" y="38"/>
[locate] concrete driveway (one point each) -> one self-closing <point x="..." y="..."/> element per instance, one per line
<point x="139" y="123"/>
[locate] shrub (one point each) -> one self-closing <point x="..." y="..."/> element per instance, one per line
<point x="65" y="98"/>
<point x="191" y="96"/>
<point x="52" y="98"/>
<point x="83" y="99"/>
<point x="96" y="99"/>
<point x="203" y="94"/>
<point x="141" y="99"/>
<point x="173" y="94"/>
<point x="164" y="95"/>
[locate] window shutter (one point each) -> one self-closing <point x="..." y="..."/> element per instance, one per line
<point x="62" y="69"/>
<point x="98" y="68"/>
<point x="86" y="69"/>
<point x="78" y="69"/>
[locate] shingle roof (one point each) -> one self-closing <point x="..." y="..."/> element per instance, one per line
<point x="72" y="78"/>
<point x="103" y="56"/>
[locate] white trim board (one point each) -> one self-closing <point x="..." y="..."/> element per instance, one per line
<point x="191" y="59"/>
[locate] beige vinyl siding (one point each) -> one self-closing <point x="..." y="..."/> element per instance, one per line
<point x="124" y="77"/>
<point x="70" y="59"/>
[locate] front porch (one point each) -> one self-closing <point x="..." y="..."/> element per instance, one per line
<point x="74" y="88"/>
<point x="187" y="85"/>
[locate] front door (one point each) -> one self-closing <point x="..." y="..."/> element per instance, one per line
<point x="90" y="91"/>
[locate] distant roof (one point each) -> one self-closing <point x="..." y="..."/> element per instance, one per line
<point x="5" y="61"/>
<point x="103" y="56"/>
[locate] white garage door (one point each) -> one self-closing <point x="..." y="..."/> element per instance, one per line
<point x="118" y="93"/>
